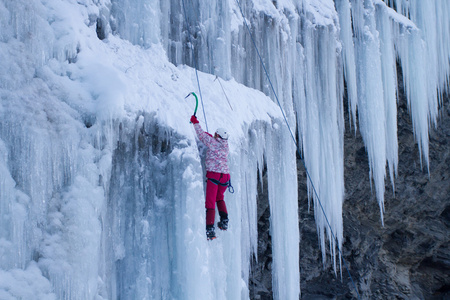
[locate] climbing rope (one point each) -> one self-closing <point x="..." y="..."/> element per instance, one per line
<point x="195" y="63"/>
<point x="217" y="78"/>
<point x="298" y="149"/>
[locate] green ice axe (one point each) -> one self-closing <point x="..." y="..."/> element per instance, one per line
<point x="196" y="101"/>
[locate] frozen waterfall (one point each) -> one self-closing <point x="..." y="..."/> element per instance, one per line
<point x="101" y="177"/>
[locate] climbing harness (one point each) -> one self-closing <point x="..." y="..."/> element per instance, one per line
<point x="228" y="184"/>
<point x="195" y="65"/>
<point x="298" y="149"/>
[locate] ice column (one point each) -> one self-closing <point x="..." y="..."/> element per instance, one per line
<point x="154" y="218"/>
<point x="389" y="79"/>
<point x="245" y="166"/>
<point x="283" y="200"/>
<point x="215" y="31"/>
<point x="348" y="55"/>
<point x="321" y="130"/>
<point x="137" y="21"/>
<point x="13" y="218"/>
<point x="371" y="103"/>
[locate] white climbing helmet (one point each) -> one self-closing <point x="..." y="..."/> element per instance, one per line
<point x="222" y="133"/>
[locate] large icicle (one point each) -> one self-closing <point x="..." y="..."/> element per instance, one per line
<point x="282" y="176"/>
<point x="389" y="78"/>
<point x="371" y="104"/>
<point x="321" y="130"/>
<point x="348" y="54"/>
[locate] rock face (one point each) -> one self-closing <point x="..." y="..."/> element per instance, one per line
<point x="408" y="258"/>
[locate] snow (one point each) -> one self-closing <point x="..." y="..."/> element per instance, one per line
<point x="25" y="284"/>
<point x="101" y="176"/>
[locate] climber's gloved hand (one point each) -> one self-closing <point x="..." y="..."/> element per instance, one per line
<point x="194" y="119"/>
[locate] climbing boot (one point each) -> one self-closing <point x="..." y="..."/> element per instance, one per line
<point x="223" y="224"/>
<point x="210" y="233"/>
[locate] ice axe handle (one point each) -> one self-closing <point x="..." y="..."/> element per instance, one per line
<point x="196" y="101"/>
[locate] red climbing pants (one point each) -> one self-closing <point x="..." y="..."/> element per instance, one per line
<point x="215" y="193"/>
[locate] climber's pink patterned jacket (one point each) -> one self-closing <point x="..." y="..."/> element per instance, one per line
<point x="217" y="153"/>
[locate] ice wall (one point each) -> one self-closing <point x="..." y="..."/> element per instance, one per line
<point x="102" y="185"/>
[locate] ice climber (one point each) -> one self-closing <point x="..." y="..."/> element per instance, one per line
<point x="217" y="176"/>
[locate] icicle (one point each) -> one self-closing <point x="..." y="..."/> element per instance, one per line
<point x="389" y="79"/>
<point x="423" y="48"/>
<point x="346" y="35"/>
<point x="322" y="131"/>
<point x="371" y="103"/>
<point x="283" y="199"/>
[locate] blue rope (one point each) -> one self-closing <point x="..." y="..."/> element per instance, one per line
<point x="298" y="148"/>
<point x="195" y="63"/>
